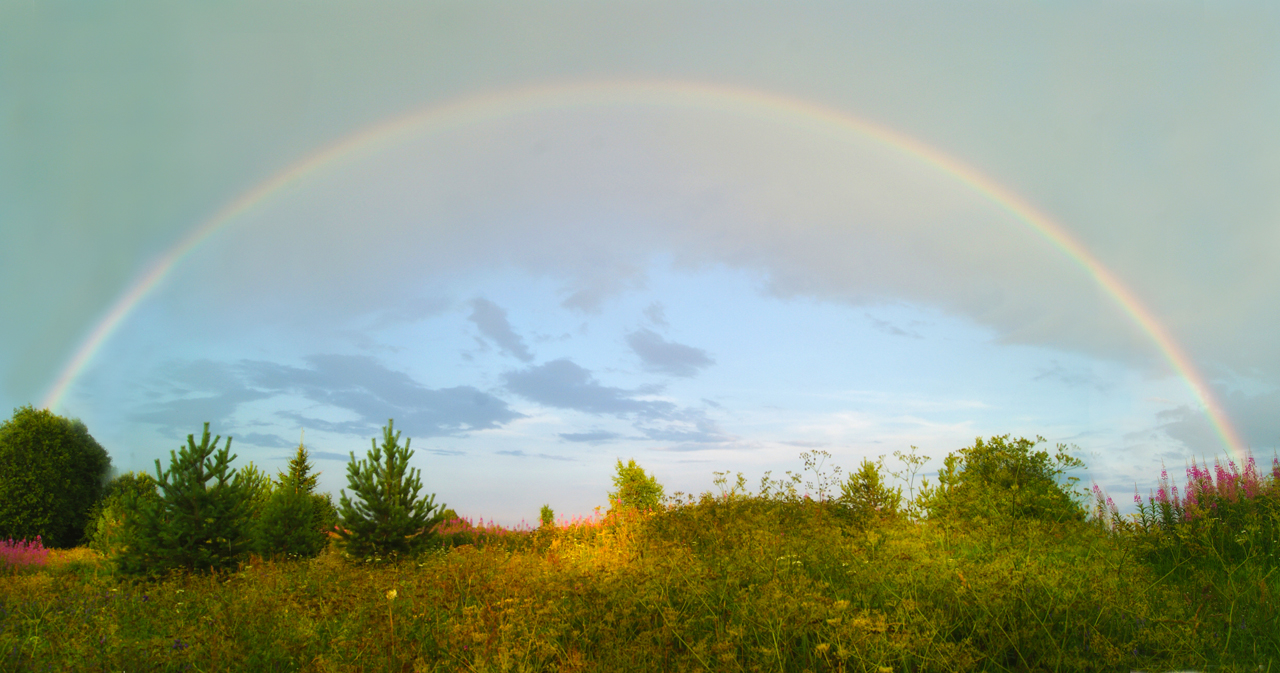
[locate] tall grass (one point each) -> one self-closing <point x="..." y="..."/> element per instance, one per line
<point x="734" y="581"/>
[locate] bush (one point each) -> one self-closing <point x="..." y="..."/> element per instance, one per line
<point x="1000" y="480"/>
<point x="51" y="473"/>
<point x="106" y="527"/>
<point x="387" y="518"/>
<point x="193" y="525"/>
<point x="294" y="521"/>
<point x="866" y="498"/>
<point x="635" y="489"/>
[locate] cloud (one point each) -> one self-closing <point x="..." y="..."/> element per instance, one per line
<point x="522" y="454"/>
<point x="564" y="385"/>
<point x="267" y="441"/>
<point x="666" y="357"/>
<point x="1077" y="377"/>
<point x="355" y="383"/>
<point x="1254" y="417"/>
<point x="656" y="314"/>
<point x="890" y="328"/>
<point x="492" y="322"/>
<point x="595" y="437"/>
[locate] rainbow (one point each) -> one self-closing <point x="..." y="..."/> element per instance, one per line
<point x="477" y="109"/>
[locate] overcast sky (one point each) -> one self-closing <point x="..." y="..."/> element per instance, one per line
<point x="639" y="230"/>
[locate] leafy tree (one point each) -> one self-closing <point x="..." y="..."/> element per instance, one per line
<point x="866" y="497"/>
<point x="634" y="488"/>
<point x="295" y="521"/>
<point x="387" y="518"/>
<point x="1003" y="479"/>
<point x="547" y="517"/>
<point x="195" y="525"/>
<point x="106" y="529"/>
<point x="52" y="472"/>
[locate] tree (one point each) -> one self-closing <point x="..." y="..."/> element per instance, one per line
<point x="195" y="525"/>
<point x="52" y="471"/>
<point x="106" y="529"/>
<point x="866" y="497"/>
<point x="295" y="521"/>
<point x="634" y="489"/>
<point x="387" y="518"/>
<point x="1002" y="479"/>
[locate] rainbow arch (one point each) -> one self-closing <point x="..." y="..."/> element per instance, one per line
<point x="477" y="109"/>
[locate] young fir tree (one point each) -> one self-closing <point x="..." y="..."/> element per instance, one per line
<point x="194" y="525"/>
<point x="387" y="518"/>
<point x="294" y="520"/>
<point x="635" y="489"/>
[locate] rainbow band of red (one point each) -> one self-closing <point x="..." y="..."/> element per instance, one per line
<point x="477" y="109"/>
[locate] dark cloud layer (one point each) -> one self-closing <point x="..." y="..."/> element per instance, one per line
<point x="666" y="357"/>
<point x="358" y="384"/>
<point x="595" y="437"/>
<point x="565" y="385"/>
<point x="492" y="322"/>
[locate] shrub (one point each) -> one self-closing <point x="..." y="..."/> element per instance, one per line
<point x="387" y="518"/>
<point x="634" y="488"/>
<point x="193" y="525"/>
<point x="547" y="517"/>
<point x="865" y="497"/>
<point x="1003" y="479"/>
<point x="105" y="530"/>
<point x="51" y="473"/>
<point x="294" y="521"/>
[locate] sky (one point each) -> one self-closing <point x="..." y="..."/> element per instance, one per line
<point x="545" y="237"/>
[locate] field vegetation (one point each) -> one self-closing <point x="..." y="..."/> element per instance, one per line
<point x="1003" y="564"/>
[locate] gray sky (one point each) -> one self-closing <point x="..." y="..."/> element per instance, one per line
<point x="700" y="287"/>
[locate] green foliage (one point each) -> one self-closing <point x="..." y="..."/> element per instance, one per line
<point x="106" y="529"/>
<point x="634" y="489"/>
<point x="547" y="517"/>
<point x="387" y="518"/>
<point x="51" y="473"/>
<point x="867" y="498"/>
<point x="195" y="525"/>
<point x="294" y="521"/>
<point x="258" y="488"/>
<point x="1005" y="480"/>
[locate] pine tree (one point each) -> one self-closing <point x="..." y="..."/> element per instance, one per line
<point x="294" y="520"/>
<point x="388" y="518"/>
<point x="194" y="525"/>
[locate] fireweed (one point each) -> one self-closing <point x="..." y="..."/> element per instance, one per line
<point x="22" y="553"/>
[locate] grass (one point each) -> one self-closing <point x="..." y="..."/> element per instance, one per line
<point x="729" y="582"/>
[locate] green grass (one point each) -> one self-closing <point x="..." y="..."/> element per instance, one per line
<point x="728" y="583"/>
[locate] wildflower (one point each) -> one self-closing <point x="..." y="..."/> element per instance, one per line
<point x="391" y="594"/>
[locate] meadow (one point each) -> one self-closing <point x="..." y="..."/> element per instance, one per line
<point x="732" y="580"/>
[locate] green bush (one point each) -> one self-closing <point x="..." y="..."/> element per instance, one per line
<point x="105" y="530"/>
<point x="634" y="489"/>
<point x="1002" y="479"/>
<point x="387" y="518"/>
<point x="866" y="498"/>
<point x="194" y="525"/>
<point x="294" y="521"/>
<point x="51" y="473"/>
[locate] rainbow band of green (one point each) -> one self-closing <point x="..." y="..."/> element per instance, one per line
<point x="478" y="109"/>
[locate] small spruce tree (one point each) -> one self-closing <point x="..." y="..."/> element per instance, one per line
<point x="194" y="525"/>
<point x="107" y="520"/>
<point x="294" y="520"/>
<point x="387" y="518"/>
<point x="865" y="496"/>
